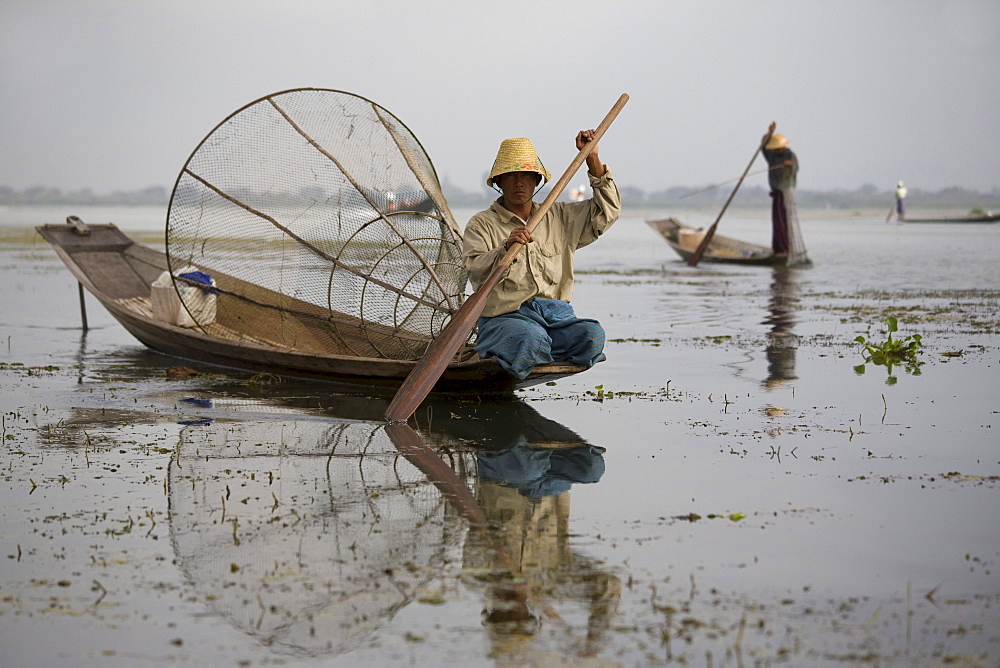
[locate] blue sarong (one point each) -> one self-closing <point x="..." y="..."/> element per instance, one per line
<point x="540" y="332"/>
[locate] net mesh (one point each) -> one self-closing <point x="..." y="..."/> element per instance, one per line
<point x="321" y="220"/>
<point x="296" y="531"/>
<point x="797" y="253"/>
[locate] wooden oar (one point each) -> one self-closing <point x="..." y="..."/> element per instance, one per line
<point x="694" y="259"/>
<point x="442" y="349"/>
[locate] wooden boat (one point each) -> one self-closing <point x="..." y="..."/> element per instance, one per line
<point x="985" y="218"/>
<point x="684" y="239"/>
<point x="120" y="273"/>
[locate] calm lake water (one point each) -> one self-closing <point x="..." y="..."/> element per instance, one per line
<point x="727" y="489"/>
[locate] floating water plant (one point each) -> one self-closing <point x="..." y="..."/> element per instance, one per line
<point x="891" y="352"/>
<point x="262" y="379"/>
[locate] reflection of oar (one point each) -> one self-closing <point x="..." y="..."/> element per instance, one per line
<point x="694" y="259"/>
<point x="416" y="451"/>
<point x="442" y="349"/>
<point x="411" y="446"/>
<point x="713" y="187"/>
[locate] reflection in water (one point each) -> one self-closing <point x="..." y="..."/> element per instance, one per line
<point x="307" y="523"/>
<point x="519" y="554"/>
<point x="781" y="343"/>
<point x="80" y="356"/>
<point x="306" y="535"/>
<point x="526" y="564"/>
<point x="309" y="534"/>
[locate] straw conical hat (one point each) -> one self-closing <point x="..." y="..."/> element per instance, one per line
<point x="777" y="141"/>
<point x="517" y="155"/>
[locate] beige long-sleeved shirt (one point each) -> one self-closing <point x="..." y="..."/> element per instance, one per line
<point x="544" y="267"/>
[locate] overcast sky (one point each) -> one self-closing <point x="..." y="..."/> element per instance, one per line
<point x="115" y="94"/>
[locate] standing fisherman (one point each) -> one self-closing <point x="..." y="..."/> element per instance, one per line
<point x="781" y="177"/>
<point x="527" y="320"/>
<point x="900" y="196"/>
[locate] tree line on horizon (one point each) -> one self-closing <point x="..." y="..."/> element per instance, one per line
<point x="866" y="196"/>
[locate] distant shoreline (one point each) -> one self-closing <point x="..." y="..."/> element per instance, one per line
<point x="956" y="199"/>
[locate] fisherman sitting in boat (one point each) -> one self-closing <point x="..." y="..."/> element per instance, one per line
<point x="528" y="320"/>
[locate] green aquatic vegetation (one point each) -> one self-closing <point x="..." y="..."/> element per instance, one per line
<point x="601" y="394"/>
<point x="891" y="352"/>
<point x="655" y="342"/>
<point x="263" y="379"/>
<point x="694" y="517"/>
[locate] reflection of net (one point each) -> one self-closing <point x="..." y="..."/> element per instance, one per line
<point x="304" y="535"/>
<point x="320" y="217"/>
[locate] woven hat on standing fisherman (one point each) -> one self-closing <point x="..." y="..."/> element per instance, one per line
<point x="778" y="143"/>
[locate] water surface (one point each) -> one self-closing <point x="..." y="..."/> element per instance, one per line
<point x="726" y="489"/>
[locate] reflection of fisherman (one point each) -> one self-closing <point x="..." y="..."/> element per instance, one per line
<point x="524" y="491"/>
<point x="781" y="342"/>
<point x="540" y="472"/>
<point x="782" y="182"/>
<point x="900" y="196"/>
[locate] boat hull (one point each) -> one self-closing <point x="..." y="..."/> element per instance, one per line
<point x="684" y="239"/>
<point x="119" y="273"/>
<point x="988" y="218"/>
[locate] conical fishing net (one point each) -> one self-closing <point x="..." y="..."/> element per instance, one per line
<point x="797" y="253"/>
<point x="321" y="221"/>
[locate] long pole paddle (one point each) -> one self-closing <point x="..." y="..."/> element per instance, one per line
<point x="439" y="353"/>
<point x="696" y="258"/>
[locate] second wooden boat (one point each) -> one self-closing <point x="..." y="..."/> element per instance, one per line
<point x="684" y="239"/>
<point x="984" y="218"/>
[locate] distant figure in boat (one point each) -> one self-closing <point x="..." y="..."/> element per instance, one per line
<point x="900" y="196"/>
<point x="528" y="320"/>
<point x="784" y="167"/>
<point x="576" y="194"/>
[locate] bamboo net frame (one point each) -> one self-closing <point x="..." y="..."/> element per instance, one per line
<point x="322" y="208"/>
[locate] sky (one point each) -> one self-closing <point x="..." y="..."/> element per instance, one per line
<point x="115" y="94"/>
